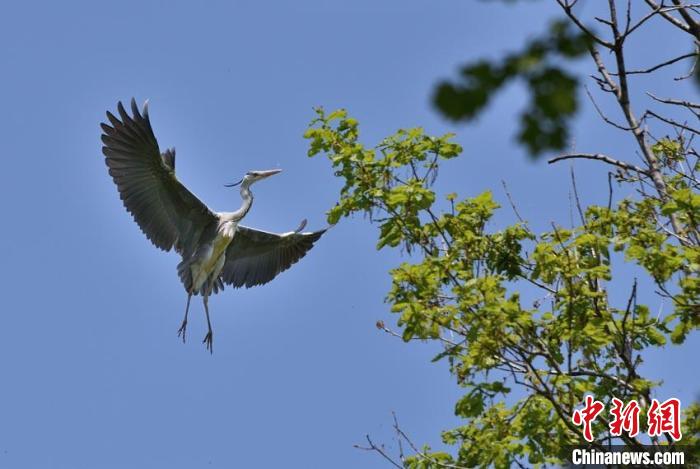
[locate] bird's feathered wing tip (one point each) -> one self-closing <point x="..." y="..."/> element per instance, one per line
<point x="168" y="214"/>
<point x="255" y="257"/>
<point x="169" y="158"/>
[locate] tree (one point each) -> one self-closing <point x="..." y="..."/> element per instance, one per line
<point x="525" y="368"/>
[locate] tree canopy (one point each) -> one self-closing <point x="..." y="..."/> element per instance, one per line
<point x="525" y="367"/>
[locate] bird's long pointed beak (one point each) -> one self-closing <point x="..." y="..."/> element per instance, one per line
<point x="271" y="172"/>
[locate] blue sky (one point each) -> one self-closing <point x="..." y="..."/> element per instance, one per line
<point x="93" y="374"/>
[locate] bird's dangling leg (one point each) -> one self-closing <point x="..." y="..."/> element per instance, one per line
<point x="183" y="328"/>
<point x="209" y="338"/>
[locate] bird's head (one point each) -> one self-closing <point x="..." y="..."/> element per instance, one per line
<point x="254" y="176"/>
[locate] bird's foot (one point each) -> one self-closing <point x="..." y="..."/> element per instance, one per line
<point x="209" y="342"/>
<point x="182" y="331"/>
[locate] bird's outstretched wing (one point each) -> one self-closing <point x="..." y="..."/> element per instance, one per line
<point x="255" y="257"/>
<point x="168" y="214"/>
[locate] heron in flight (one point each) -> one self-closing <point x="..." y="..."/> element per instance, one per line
<point x="216" y="249"/>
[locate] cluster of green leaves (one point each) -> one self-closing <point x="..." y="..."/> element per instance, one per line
<point x="664" y="260"/>
<point x="553" y="91"/>
<point x="463" y="283"/>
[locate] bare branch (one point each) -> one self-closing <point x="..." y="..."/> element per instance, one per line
<point x="644" y="19"/>
<point x="381" y="326"/>
<point x="691" y="72"/>
<point x="676" y="102"/>
<point x="623" y="98"/>
<point x="628" y="21"/>
<point x="602" y="69"/>
<point x="512" y="204"/>
<point x="568" y="7"/>
<point x="602" y="20"/>
<point x="663" y="64"/>
<point x="672" y="122"/>
<point x="662" y="10"/>
<point x="668" y="16"/>
<point x="401" y="436"/>
<point x="682" y="239"/>
<point x="418" y="452"/>
<point x="692" y="24"/>
<point x="603" y="116"/>
<point x="600" y="157"/>
<point x="378" y="449"/>
<point x="576" y="197"/>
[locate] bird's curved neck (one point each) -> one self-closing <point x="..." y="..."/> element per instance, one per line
<point x="247" y="197"/>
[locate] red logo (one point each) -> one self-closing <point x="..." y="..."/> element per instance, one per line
<point x="625" y="417"/>
<point x="665" y="418"/>
<point x="587" y="416"/>
<point x="661" y="418"/>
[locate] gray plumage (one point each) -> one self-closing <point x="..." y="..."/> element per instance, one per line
<point x="215" y="250"/>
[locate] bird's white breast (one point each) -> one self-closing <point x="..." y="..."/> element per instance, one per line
<point x="212" y="259"/>
<point x="224" y="235"/>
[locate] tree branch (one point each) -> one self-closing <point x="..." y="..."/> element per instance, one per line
<point x="378" y="449"/>
<point x="663" y="64"/>
<point x="567" y="7"/>
<point x="673" y="123"/>
<point x="674" y="101"/>
<point x="692" y="24"/>
<point x="668" y="16"/>
<point x="603" y="116"/>
<point x="600" y="157"/>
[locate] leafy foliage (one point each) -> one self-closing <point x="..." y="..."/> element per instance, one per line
<point x="524" y="367"/>
<point x="553" y="91"/>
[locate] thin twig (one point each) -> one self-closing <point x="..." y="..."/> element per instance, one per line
<point x="600" y="157"/>
<point x="665" y="12"/>
<point x="674" y="101"/>
<point x="567" y="7"/>
<point x="647" y="17"/>
<point x="373" y="447"/>
<point x="512" y="204"/>
<point x="576" y="197"/>
<point x="603" y="116"/>
<point x="418" y="452"/>
<point x="661" y="65"/>
<point x="672" y="122"/>
<point x="691" y="72"/>
<point x="603" y="70"/>
<point x="381" y="326"/>
<point x="692" y="24"/>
